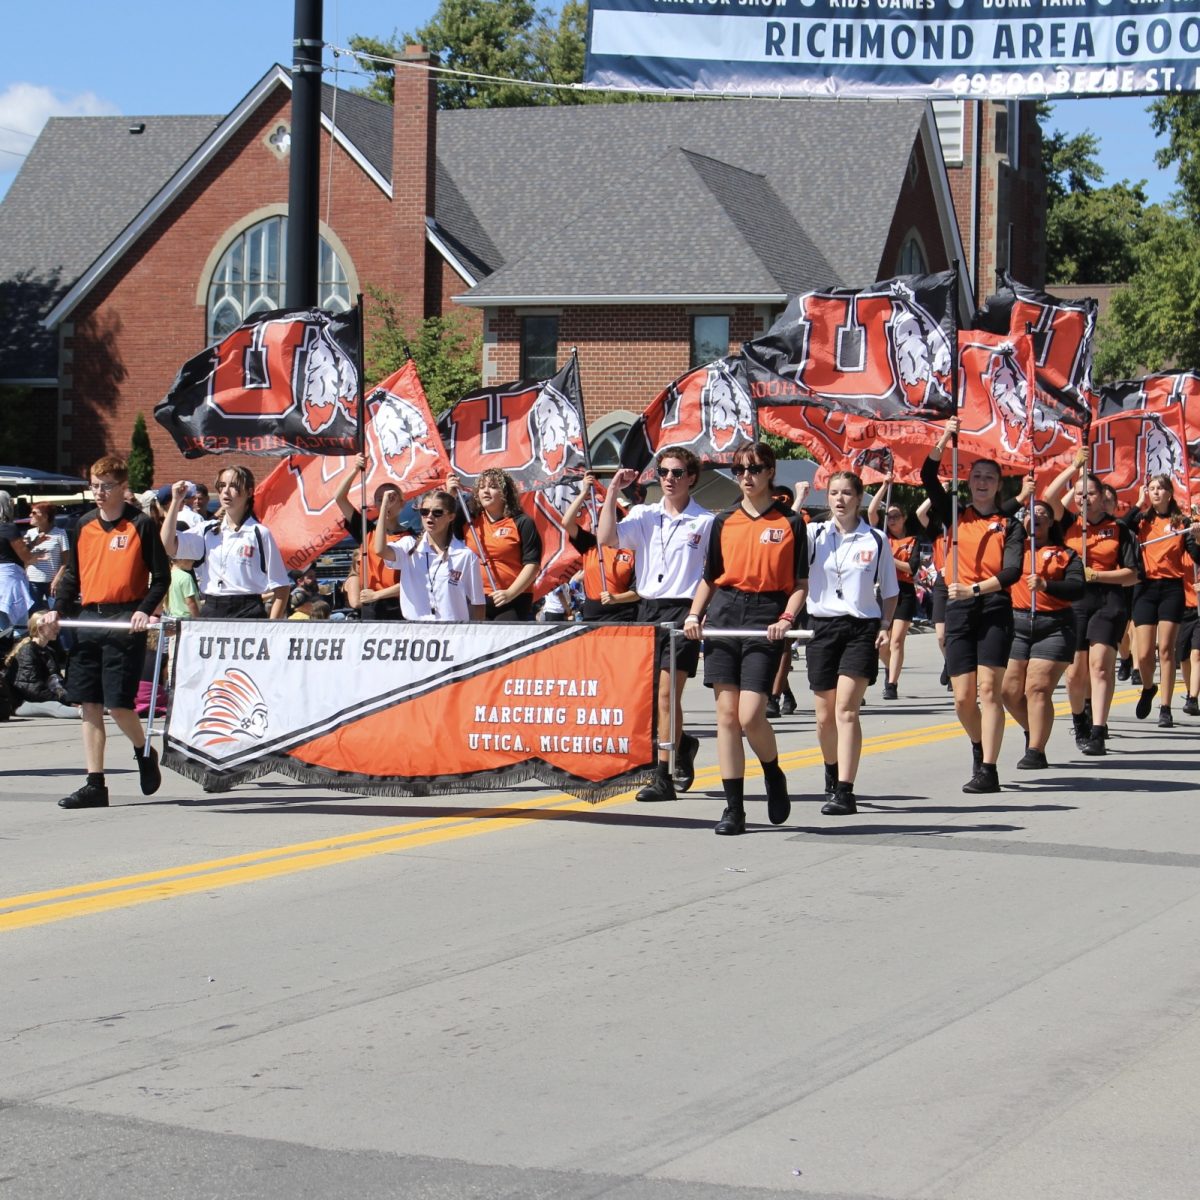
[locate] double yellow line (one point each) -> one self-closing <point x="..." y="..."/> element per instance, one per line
<point x="85" y="899"/>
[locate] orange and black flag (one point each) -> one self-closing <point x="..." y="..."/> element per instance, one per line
<point x="883" y="352"/>
<point x="283" y="382"/>
<point x="708" y="411"/>
<point x="1157" y="393"/>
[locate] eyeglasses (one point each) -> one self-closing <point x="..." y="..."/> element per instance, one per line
<point x="672" y="472"/>
<point x="105" y="487"/>
<point x="755" y="469"/>
<point x="432" y="513"/>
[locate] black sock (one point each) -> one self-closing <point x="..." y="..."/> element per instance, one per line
<point x="831" y="772"/>
<point x="664" y="769"/>
<point x="771" y="768"/>
<point x="845" y="788"/>
<point x="139" y="754"/>
<point x="735" y="791"/>
<point x="95" y="779"/>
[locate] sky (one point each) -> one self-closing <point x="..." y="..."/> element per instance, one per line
<point x="173" y="57"/>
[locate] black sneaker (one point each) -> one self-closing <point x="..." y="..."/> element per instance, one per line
<point x="986" y="779"/>
<point x="779" y="803"/>
<point x="1083" y="729"/>
<point x="1124" y="669"/>
<point x="1191" y="706"/>
<point x="840" y="803"/>
<point x="1094" y="747"/>
<point x="149" y="776"/>
<point x="1034" y="760"/>
<point x="732" y="822"/>
<point x="773" y="706"/>
<point x="685" y="762"/>
<point x="1146" y="702"/>
<point x="787" y="703"/>
<point x="1165" y="720"/>
<point x="1135" y="677"/>
<point x="890" y="692"/>
<point x="660" y="788"/>
<point x="89" y="796"/>
<point x="945" y="678"/>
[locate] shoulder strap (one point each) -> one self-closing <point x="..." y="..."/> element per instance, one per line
<point x="262" y="553"/>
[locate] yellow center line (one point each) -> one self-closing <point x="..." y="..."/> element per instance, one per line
<point x="44" y="907"/>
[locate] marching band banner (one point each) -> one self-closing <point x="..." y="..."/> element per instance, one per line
<point x="414" y="709"/>
<point x="977" y="49"/>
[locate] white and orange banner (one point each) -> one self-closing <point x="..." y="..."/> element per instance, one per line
<point x="413" y="709"/>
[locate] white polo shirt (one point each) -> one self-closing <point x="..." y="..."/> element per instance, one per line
<point x="436" y="587"/>
<point x="669" y="550"/>
<point x="242" y="561"/>
<point x="843" y="569"/>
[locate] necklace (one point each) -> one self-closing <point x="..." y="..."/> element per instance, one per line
<point x="432" y="562"/>
<point x="664" y="543"/>
<point x="839" y="558"/>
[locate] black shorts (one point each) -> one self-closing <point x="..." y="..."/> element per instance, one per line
<point x="906" y="603"/>
<point x="232" y="608"/>
<point x="672" y="612"/>
<point x="593" y="610"/>
<point x="841" y="646"/>
<point x="979" y="633"/>
<point x="1156" y="600"/>
<point x="521" y="609"/>
<point x="748" y="663"/>
<point x="940" y="600"/>
<point x="1188" y="638"/>
<point x="387" y="609"/>
<point x="1046" y="636"/>
<point x="104" y="666"/>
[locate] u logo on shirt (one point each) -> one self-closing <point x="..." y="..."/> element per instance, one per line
<point x="119" y="541"/>
<point x="770" y="535"/>
<point x="246" y="551"/>
<point x="693" y="540"/>
<point x="505" y="531"/>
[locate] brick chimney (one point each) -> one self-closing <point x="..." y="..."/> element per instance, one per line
<point x="414" y="162"/>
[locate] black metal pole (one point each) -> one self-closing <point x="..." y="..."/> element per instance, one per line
<point x="305" y="174"/>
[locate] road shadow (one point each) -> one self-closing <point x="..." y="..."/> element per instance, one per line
<point x="949" y="809"/>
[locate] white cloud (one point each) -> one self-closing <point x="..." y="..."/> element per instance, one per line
<point x="25" y="108"/>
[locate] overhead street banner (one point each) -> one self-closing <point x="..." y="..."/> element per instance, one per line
<point x="414" y="708"/>
<point x="1002" y="49"/>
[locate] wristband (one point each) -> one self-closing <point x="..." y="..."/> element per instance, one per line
<point x="790" y="618"/>
<point x="691" y="617"/>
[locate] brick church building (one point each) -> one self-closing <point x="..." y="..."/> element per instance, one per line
<point x="650" y="237"/>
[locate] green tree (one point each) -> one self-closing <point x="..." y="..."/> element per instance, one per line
<point x="1179" y="118"/>
<point x="1092" y="235"/>
<point x="443" y="348"/>
<point x="141" y="457"/>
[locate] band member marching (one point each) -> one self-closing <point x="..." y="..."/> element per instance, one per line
<point x="849" y="623"/>
<point x="440" y="579"/>
<point x="906" y="555"/>
<point x="981" y="566"/>
<point x="378" y="598"/>
<point x="754" y="578"/>
<point x="1044" y="631"/>
<point x="235" y="556"/>
<point x="669" y="540"/>
<point x="608" y="571"/>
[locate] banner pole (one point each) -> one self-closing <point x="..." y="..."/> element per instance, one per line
<point x="674" y="733"/>
<point x="362" y="450"/>
<point x="1083" y="503"/>
<point x="591" y="500"/>
<point x="954" y="407"/>
<point x="1030" y="390"/>
<point x="483" y="554"/>
<point x="158" y="658"/>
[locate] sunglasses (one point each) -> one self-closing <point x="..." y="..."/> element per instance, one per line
<point x="434" y="513"/>
<point x="671" y="472"/>
<point x="755" y="469"/>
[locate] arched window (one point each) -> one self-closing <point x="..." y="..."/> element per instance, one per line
<point x="250" y="278"/>
<point x="912" y="259"/>
<point x="606" y="447"/>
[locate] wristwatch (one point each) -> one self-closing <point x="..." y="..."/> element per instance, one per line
<point x="975" y="590"/>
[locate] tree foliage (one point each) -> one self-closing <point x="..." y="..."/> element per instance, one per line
<point x="141" y="457"/>
<point x="509" y="39"/>
<point x="443" y="348"/>
<point x="1179" y="118"/>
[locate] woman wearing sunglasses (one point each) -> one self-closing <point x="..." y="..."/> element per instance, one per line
<point x="440" y="579"/>
<point x="755" y="577"/>
<point x="508" y="542"/>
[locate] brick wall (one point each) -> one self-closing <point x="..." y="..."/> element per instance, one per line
<point x="915" y="210"/>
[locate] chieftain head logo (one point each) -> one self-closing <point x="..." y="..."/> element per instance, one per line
<point x="727" y="409"/>
<point x="329" y="383"/>
<point x="556" y="431"/>
<point x="234" y="711"/>
<point x="400" y="432"/>
<point x="1164" y="453"/>
<point x="1009" y="391"/>
<point x="921" y="346"/>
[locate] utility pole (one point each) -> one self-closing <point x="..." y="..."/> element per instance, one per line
<point x="304" y="176"/>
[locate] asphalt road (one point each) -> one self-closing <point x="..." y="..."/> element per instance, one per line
<point x="281" y="992"/>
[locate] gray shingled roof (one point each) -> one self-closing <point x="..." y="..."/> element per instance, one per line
<point x="84" y="180"/>
<point x="558" y="189"/>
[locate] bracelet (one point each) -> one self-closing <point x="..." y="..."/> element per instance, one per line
<point x="691" y="617"/>
<point x="790" y="618"/>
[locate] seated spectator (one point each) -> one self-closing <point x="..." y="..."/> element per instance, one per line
<point x="302" y="602"/>
<point x="36" y="669"/>
<point x="320" y="610"/>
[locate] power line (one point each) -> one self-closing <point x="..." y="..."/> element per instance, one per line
<point x="14" y="153"/>
<point x="18" y="132"/>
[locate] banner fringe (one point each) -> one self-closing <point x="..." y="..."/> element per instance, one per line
<point x="216" y="782"/>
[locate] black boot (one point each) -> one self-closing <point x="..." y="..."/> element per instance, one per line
<point x="986" y="780"/>
<point x="1125" y="669"/>
<point x="1083" y="729"/>
<point x="976" y="757"/>
<point x="1094" y="747"/>
<point x="831" y="780"/>
<point x="661" y="787"/>
<point x="841" y="802"/>
<point x="779" y="803"/>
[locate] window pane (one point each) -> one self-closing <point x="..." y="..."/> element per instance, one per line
<point x="606" y="449"/>
<point x="539" y="347"/>
<point x="710" y="339"/>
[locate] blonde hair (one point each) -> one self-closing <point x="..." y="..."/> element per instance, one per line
<point x="32" y="626"/>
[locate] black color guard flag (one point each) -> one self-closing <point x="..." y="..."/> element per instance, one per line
<point x="1157" y="393"/>
<point x="1062" y="332"/>
<point x="533" y="429"/>
<point x="882" y="352"/>
<point x="283" y="382"/>
<point x="708" y="411"/>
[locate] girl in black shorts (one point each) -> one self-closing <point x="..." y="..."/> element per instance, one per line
<point x="979" y="621"/>
<point x="848" y="621"/>
<point x="1044" y="631"/>
<point x="1158" y="598"/>
<point x="754" y="578"/>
